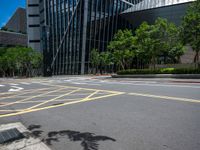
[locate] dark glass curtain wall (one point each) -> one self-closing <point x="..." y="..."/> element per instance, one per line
<point x="74" y="27"/>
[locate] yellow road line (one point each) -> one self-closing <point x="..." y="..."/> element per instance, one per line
<point x="40" y="96"/>
<point x="7" y="110"/>
<point x="53" y="99"/>
<point x="67" y="103"/>
<point x="87" y="89"/>
<point x="4" y="93"/>
<point x="166" y="97"/>
<point x="22" y="93"/>
<point x="39" y="101"/>
<point x="89" y="96"/>
<point x="29" y="98"/>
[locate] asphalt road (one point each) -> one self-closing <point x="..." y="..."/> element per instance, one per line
<point x="100" y="113"/>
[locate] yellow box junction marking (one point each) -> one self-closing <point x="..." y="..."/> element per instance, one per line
<point x="92" y="94"/>
<point x="62" y="92"/>
<point x="14" y="94"/>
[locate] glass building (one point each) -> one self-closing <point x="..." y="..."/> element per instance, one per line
<point x="70" y="29"/>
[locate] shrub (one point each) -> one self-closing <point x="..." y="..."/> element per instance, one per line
<point x="159" y="71"/>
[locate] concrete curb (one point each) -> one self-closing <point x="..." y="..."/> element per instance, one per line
<point x="176" y="76"/>
<point x="27" y="143"/>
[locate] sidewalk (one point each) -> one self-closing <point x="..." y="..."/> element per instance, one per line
<point x="27" y="143"/>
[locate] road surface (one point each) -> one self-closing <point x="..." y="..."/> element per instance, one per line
<point x="101" y="113"/>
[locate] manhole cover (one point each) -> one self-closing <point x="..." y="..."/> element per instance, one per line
<point x="10" y="135"/>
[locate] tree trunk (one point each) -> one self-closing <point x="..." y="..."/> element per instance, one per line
<point x="196" y="59"/>
<point x="122" y="65"/>
<point x="179" y="59"/>
<point x="13" y="73"/>
<point x="153" y="61"/>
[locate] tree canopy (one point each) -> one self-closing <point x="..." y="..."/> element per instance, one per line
<point x="191" y="28"/>
<point x="150" y="43"/>
<point x="123" y="48"/>
<point x="19" y="61"/>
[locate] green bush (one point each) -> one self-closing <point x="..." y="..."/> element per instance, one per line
<point x="159" y="71"/>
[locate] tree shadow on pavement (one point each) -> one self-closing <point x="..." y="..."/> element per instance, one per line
<point x="89" y="141"/>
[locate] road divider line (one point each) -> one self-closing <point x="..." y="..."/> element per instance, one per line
<point x="166" y="97"/>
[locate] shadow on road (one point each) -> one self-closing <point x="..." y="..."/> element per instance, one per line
<point x="89" y="141"/>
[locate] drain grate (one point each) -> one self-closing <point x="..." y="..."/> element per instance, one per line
<point x="10" y="135"/>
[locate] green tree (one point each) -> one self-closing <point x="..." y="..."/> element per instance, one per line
<point x="148" y="42"/>
<point x="3" y="62"/>
<point x="11" y="56"/>
<point x="95" y="60"/>
<point x="171" y="46"/>
<point x="4" y="28"/>
<point x="123" y="48"/>
<point x="105" y="60"/>
<point x="161" y="39"/>
<point x="176" y="52"/>
<point x="20" y="60"/>
<point x="191" y="28"/>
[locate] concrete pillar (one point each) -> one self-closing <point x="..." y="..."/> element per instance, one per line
<point x="84" y="36"/>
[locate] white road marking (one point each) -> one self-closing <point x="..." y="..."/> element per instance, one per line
<point x="2" y="85"/>
<point x="13" y="84"/>
<point x="25" y="83"/>
<point x="15" y="89"/>
<point x="77" y="83"/>
<point x="67" y="80"/>
<point x="36" y="82"/>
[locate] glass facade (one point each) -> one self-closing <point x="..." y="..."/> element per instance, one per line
<point x="72" y="28"/>
<point x="139" y="5"/>
<point x="173" y="13"/>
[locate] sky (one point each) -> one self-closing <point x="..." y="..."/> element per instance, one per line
<point x="7" y="9"/>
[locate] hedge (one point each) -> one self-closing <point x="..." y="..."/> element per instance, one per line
<point x="159" y="71"/>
